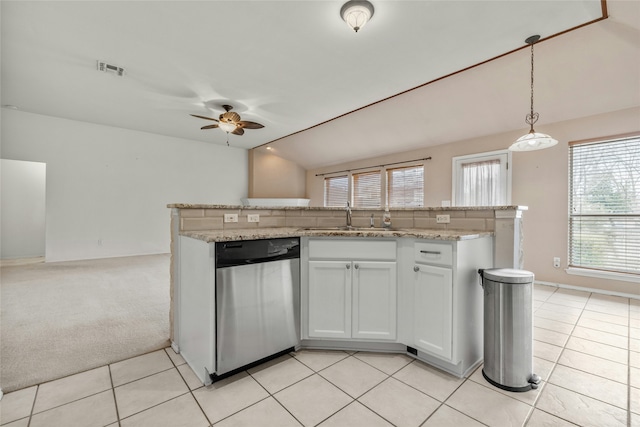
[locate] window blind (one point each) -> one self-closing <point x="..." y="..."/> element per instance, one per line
<point x="405" y="187"/>
<point x="367" y="189"/>
<point x="336" y="191"/>
<point x="604" y="205"/>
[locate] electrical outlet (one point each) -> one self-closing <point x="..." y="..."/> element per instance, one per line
<point x="230" y="217"/>
<point x="253" y="218"/>
<point x="443" y="219"/>
<point x="556" y="262"/>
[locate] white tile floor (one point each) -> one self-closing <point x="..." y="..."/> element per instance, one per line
<point x="587" y="350"/>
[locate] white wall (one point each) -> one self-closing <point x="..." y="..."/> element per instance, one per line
<point x="107" y="187"/>
<point x="22" y="209"/>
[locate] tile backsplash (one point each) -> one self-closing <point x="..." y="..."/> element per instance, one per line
<point x="203" y="218"/>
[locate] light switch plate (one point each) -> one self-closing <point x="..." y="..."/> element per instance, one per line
<point x="230" y="217"/>
<point x="443" y="219"/>
<point x="253" y="218"/>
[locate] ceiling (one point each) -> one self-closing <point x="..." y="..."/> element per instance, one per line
<point x="292" y="65"/>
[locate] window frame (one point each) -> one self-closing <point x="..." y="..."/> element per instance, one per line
<point x="584" y="270"/>
<point x="324" y="187"/>
<point x="505" y="157"/>
<point x="386" y="183"/>
<point x="382" y="170"/>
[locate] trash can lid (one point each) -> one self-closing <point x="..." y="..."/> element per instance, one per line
<point x="508" y="275"/>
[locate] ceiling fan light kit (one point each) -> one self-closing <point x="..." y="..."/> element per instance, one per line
<point x="356" y="13"/>
<point x="229" y="122"/>
<point x="533" y="140"/>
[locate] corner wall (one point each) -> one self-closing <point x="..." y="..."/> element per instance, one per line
<point x="272" y="176"/>
<point x="108" y="188"/>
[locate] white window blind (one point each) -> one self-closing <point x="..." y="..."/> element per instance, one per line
<point x="367" y="189"/>
<point x="405" y="187"/>
<point x="336" y="191"/>
<point x="604" y="205"/>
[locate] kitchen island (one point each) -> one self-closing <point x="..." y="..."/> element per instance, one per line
<point x="411" y="290"/>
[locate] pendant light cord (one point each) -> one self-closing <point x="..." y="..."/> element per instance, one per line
<point x="532" y="117"/>
<point x="533" y="120"/>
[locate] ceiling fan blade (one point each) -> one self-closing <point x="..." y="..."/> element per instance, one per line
<point x="250" y="125"/>
<point x="238" y="131"/>
<point x="209" y="127"/>
<point x="204" y="117"/>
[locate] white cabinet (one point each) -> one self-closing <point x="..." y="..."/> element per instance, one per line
<point x="433" y="310"/>
<point x="374" y="300"/>
<point x="442" y="295"/>
<point x="352" y="287"/>
<point x="329" y="299"/>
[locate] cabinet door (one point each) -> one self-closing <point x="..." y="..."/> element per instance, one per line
<point x="374" y="300"/>
<point x="329" y="299"/>
<point x="433" y="310"/>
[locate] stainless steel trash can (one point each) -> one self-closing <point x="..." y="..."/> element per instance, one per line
<point x="508" y="329"/>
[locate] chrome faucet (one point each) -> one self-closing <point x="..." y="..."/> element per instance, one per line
<point x="348" y="214"/>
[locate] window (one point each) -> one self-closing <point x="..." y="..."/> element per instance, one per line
<point x="482" y="179"/>
<point x="405" y="187"/>
<point x="336" y="191"/>
<point x="394" y="187"/>
<point x="367" y="190"/>
<point x="604" y="205"/>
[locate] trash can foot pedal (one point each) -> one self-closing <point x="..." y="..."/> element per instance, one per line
<point x="509" y="388"/>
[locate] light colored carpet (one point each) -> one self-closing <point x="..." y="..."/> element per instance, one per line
<point x="62" y="318"/>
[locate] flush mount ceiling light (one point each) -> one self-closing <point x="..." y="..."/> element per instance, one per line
<point x="533" y="140"/>
<point x="356" y="13"/>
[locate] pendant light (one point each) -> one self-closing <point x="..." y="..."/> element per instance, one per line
<point x="356" y="13"/>
<point x="533" y="140"/>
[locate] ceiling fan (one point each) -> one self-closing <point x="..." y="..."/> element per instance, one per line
<point x="230" y="122"/>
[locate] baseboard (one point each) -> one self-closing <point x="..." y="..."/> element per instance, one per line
<point x="584" y="289"/>
<point x="20" y="261"/>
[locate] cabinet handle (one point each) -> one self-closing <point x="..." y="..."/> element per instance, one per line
<point x="348" y="266"/>
<point x="356" y="266"/>
<point x="416" y="268"/>
<point x="431" y="252"/>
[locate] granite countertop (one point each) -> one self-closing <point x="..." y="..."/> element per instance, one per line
<point x="307" y="208"/>
<point x="210" y="236"/>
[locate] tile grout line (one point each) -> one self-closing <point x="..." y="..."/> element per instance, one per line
<point x="270" y="395"/>
<point x="189" y="388"/>
<point x="573" y="391"/>
<point x="113" y="392"/>
<point x="535" y="402"/>
<point x="33" y="405"/>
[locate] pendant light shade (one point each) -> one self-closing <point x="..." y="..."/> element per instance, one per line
<point x="533" y="140"/>
<point x="356" y="13"/>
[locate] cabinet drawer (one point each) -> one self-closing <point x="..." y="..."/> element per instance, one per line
<point x="433" y="253"/>
<point x="352" y="249"/>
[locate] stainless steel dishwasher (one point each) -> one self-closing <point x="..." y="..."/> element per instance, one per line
<point x="257" y="302"/>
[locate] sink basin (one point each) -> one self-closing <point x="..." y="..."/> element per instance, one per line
<point x="345" y="228"/>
